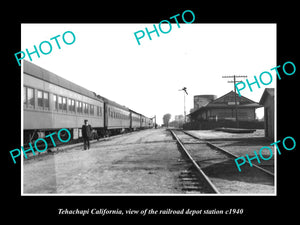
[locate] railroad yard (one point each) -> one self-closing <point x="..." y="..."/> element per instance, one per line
<point x="151" y="162"/>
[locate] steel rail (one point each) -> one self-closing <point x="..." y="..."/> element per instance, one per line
<point x="211" y="186"/>
<point x="229" y="153"/>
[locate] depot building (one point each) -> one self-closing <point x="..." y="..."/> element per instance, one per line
<point x="210" y="112"/>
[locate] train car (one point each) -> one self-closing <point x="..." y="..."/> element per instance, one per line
<point x="149" y="122"/>
<point x="135" y="120"/>
<point x="117" y="117"/>
<point x="143" y="122"/>
<point x="51" y="102"/>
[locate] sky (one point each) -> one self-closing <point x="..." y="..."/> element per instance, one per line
<point x="106" y="59"/>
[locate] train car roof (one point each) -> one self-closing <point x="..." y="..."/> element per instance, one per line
<point x="43" y="74"/>
<point x="140" y="114"/>
<point x="106" y="100"/>
<point x="134" y="111"/>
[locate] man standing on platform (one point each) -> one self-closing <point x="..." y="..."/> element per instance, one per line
<point x="86" y="133"/>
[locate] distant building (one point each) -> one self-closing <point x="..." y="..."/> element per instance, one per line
<point x="224" y="108"/>
<point x="179" y="118"/>
<point x="267" y="100"/>
<point x="202" y="100"/>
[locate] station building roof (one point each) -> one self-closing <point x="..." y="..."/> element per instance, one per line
<point x="228" y="101"/>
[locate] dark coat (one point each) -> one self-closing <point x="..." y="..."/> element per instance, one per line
<point x="86" y="131"/>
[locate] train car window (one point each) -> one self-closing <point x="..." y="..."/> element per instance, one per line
<point x="92" y="110"/>
<point x="64" y="102"/>
<point x="61" y="103"/>
<point x="71" y="104"/>
<point x="40" y="98"/>
<point x="83" y="107"/>
<point x="24" y="95"/>
<point x="55" y="102"/>
<point x="80" y="107"/>
<point x="30" y="97"/>
<point x="43" y="99"/>
<point x="46" y="100"/>
<point x="60" y="107"/>
<point x="87" y="108"/>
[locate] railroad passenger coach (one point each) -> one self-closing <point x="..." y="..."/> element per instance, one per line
<point x="51" y="103"/>
<point x="135" y="122"/>
<point x="117" y="117"/>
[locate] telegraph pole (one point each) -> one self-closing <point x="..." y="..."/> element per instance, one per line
<point x="235" y="102"/>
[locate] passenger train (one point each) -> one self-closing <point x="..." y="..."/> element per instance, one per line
<point x="51" y="103"/>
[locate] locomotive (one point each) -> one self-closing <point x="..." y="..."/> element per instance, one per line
<point x="51" y="103"/>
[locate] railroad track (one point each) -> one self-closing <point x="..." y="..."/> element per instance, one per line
<point x="216" y="171"/>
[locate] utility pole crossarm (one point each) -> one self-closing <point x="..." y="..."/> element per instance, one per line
<point x="234" y="82"/>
